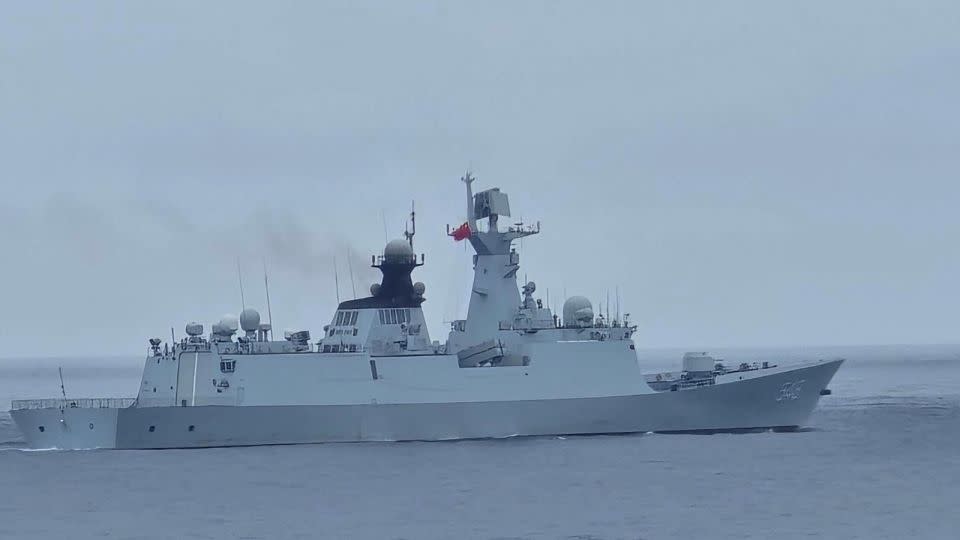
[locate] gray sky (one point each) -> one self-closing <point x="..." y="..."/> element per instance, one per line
<point x="747" y="173"/>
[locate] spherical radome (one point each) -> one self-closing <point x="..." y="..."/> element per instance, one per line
<point x="584" y="316"/>
<point x="397" y="249"/>
<point x="572" y="306"/>
<point x="249" y="320"/>
<point x="228" y="323"/>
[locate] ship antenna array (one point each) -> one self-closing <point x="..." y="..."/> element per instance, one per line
<point x="266" y="288"/>
<point x="413" y="225"/>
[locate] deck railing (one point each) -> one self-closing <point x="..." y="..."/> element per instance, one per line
<point x="79" y="403"/>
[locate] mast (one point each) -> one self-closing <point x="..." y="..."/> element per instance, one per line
<point x="408" y="234"/>
<point x="471" y="219"/>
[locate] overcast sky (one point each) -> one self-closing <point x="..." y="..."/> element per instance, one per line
<point x="746" y="173"/>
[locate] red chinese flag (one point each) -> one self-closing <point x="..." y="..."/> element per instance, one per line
<point x="462" y="232"/>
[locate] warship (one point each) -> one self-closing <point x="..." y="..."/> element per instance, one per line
<point x="511" y="368"/>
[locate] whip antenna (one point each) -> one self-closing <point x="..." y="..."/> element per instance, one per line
<point x="266" y="287"/>
<point x="63" y="391"/>
<point x="243" y="303"/>
<point x="618" y="302"/>
<point x="336" y="279"/>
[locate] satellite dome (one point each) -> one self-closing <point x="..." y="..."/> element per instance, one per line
<point x="584" y="316"/>
<point x="249" y="320"/>
<point x="228" y="323"/>
<point x="194" y="329"/>
<point x="397" y="251"/>
<point x="374" y="289"/>
<point x="419" y="288"/>
<point x="222" y="329"/>
<point x="531" y="286"/>
<point x="573" y="306"/>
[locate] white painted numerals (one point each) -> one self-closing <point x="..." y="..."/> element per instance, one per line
<point x="790" y="391"/>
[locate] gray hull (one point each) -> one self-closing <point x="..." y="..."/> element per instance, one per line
<point x="779" y="400"/>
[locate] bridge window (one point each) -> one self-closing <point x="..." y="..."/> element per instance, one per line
<point x="228" y="366"/>
<point x="346" y="318"/>
<point x="395" y="316"/>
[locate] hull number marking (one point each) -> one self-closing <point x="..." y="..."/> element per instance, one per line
<point x="790" y="391"/>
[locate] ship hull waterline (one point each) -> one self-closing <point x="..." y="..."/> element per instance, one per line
<point x="774" y="401"/>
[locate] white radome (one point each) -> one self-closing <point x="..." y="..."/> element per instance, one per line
<point x="249" y="320"/>
<point x="397" y="250"/>
<point x="228" y="323"/>
<point x="573" y="306"/>
<point x="584" y="317"/>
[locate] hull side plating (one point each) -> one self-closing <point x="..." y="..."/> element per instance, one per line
<point x="80" y="428"/>
<point x="779" y="400"/>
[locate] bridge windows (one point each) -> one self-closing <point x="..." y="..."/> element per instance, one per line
<point x="346" y="318"/>
<point x="395" y="316"/>
<point x="228" y="366"/>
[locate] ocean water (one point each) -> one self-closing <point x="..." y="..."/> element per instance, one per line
<point x="879" y="459"/>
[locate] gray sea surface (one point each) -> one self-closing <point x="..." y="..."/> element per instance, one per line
<point x="879" y="459"/>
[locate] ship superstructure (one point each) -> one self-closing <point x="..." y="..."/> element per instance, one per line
<point x="512" y="367"/>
